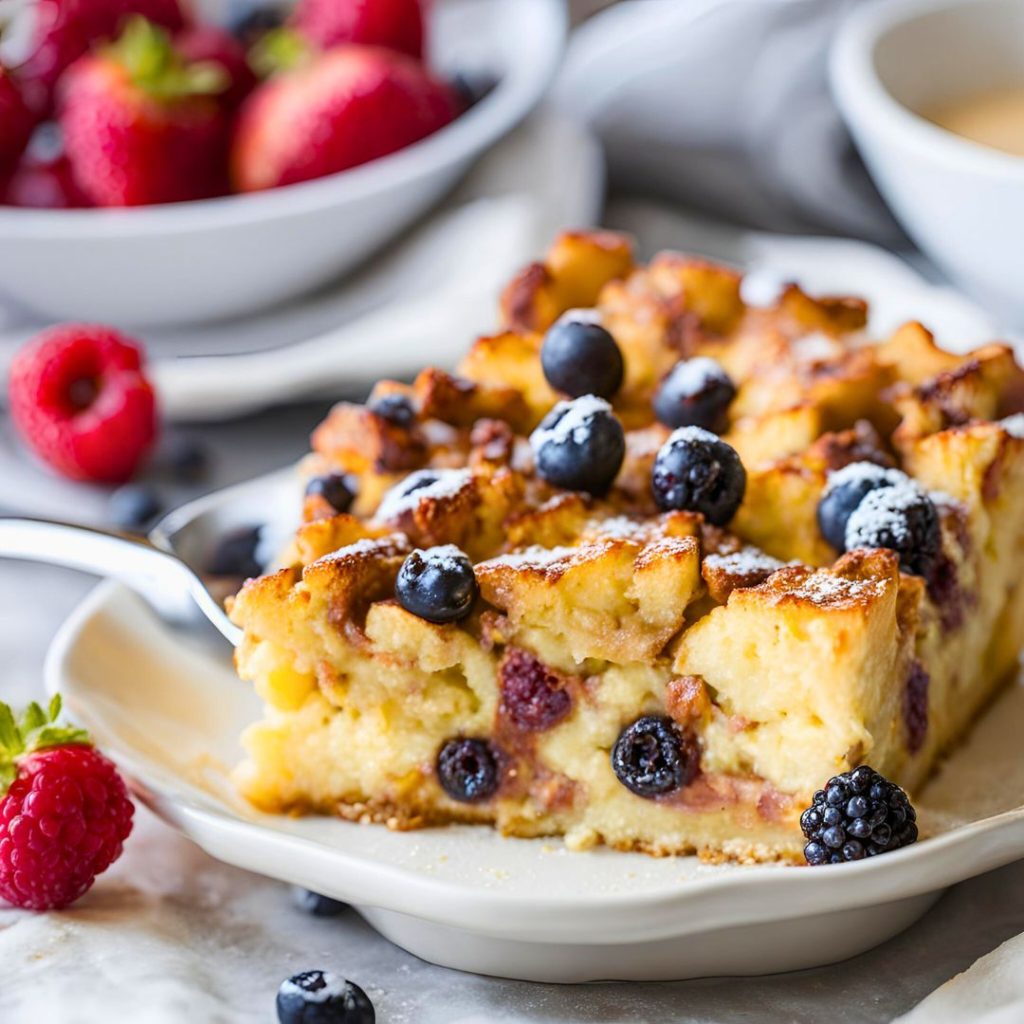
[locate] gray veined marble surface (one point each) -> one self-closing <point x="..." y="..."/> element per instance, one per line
<point x="170" y="935"/>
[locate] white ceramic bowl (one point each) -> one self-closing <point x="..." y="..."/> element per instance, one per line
<point x="963" y="203"/>
<point x="190" y="262"/>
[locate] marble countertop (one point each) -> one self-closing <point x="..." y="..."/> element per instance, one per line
<point x="169" y="933"/>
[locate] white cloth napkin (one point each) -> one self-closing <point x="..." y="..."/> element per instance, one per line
<point x="989" y="992"/>
<point x="724" y="105"/>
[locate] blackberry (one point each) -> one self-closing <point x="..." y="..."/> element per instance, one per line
<point x="901" y="518"/>
<point x="580" y="357"/>
<point x="322" y="997"/>
<point x="653" y="756"/>
<point x="396" y="409"/>
<point x="579" y="445"/>
<point x="336" y="489"/>
<point x="696" y="393"/>
<point x="699" y="472"/>
<point x="437" y="584"/>
<point x="846" y="489"/>
<point x="468" y="770"/>
<point x="858" y="814"/>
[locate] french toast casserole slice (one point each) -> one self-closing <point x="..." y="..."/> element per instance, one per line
<point x="631" y="661"/>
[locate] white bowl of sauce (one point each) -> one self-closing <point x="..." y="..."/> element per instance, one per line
<point x="933" y="93"/>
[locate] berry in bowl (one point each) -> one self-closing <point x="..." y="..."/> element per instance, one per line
<point x="160" y="169"/>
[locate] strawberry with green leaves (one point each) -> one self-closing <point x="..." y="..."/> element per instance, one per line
<point x="64" y="810"/>
<point x="320" y="113"/>
<point x="144" y="125"/>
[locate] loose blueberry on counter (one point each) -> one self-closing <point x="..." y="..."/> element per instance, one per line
<point x="858" y="814"/>
<point x="235" y="554"/>
<point x="696" y="393"/>
<point x="698" y="472"/>
<point x="846" y="489"/>
<point x="322" y="997"/>
<point x="901" y="518"/>
<point x="134" y="507"/>
<point x="653" y="756"/>
<point x="437" y="584"/>
<point x="579" y="445"/>
<point x="335" y="488"/>
<point x="397" y="409"/>
<point x="468" y="770"/>
<point x="580" y="357"/>
<point x="185" y="457"/>
<point x="315" y="904"/>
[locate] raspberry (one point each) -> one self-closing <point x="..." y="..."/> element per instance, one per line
<point x="81" y="401"/>
<point x="532" y="696"/>
<point x="65" y="815"/>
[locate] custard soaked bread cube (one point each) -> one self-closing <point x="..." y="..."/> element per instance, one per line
<point x="655" y="602"/>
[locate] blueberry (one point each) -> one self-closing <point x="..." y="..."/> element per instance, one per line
<point x="133" y="507"/>
<point x="580" y="357"/>
<point x="468" y="770"/>
<point x="579" y="445"/>
<point x="395" y="408"/>
<point x="846" y="489"/>
<point x="858" y="814"/>
<point x="186" y="458"/>
<point x="696" y="393"/>
<point x="315" y="904"/>
<point x="901" y="518"/>
<point x="336" y="489"/>
<point x="322" y="997"/>
<point x="699" y="472"/>
<point x="437" y="584"/>
<point x="653" y="756"/>
<point x="235" y="554"/>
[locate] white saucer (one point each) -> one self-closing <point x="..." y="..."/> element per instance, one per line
<point x="170" y="712"/>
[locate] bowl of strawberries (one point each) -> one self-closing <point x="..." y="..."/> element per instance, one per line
<point x="161" y="165"/>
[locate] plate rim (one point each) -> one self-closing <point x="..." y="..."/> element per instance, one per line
<point x="740" y="894"/>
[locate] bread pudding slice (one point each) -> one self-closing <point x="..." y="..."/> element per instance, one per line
<point x="647" y="571"/>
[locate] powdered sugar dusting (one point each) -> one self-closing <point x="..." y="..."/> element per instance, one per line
<point x="763" y="288"/>
<point x="692" y="376"/>
<point x="815" y="347"/>
<point x="689" y="435"/>
<point x="825" y="588"/>
<point x="621" y="527"/>
<point x="748" y="561"/>
<point x="535" y="557"/>
<point x="880" y="519"/>
<point x="449" y="556"/>
<point x="423" y="485"/>
<point x="581" y="316"/>
<point x="367" y="546"/>
<point x="572" y="424"/>
<point x="1014" y="425"/>
<point x="855" y="472"/>
<point x="333" y="986"/>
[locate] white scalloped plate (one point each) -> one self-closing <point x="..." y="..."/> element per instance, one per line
<point x="170" y="711"/>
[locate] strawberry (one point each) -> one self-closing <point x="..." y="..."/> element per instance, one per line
<point x="64" y="810"/>
<point x="213" y="45"/>
<point x="395" y="24"/>
<point x="16" y="122"/>
<point x="333" y="111"/>
<point x="141" y="125"/>
<point x="66" y="29"/>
